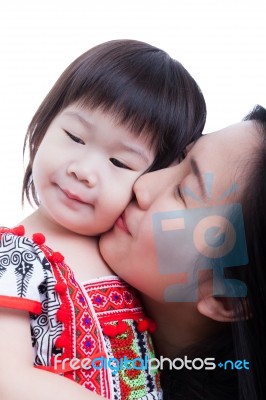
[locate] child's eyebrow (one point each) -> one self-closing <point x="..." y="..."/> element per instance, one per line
<point x="135" y="149"/>
<point x="78" y="116"/>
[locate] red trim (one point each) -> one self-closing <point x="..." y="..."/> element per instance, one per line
<point x="121" y="316"/>
<point x="20" y="303"/>
<point x="66" y="337"/>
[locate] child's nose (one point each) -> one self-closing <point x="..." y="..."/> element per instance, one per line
<point x="84" y="173"/>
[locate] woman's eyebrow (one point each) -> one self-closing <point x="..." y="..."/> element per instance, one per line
<point x="198" y="175"/>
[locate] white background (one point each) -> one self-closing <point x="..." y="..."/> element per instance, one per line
<point x="220" y="42"/>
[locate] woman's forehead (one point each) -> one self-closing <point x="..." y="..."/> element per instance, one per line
<point x="233" y="137"/>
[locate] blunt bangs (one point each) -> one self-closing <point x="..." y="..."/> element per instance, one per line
<point x="129" y="84"/>
<point x="146" y="90"/>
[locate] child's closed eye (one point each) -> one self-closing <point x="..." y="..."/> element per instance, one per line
<point x="119" y="164"/>
<point x="74" y="138"/>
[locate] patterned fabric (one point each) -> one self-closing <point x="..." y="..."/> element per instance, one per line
<point x="101" y="318"/>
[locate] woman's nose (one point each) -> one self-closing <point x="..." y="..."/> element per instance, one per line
<point x="147" y="188"/>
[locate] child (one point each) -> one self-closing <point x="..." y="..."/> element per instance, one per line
<point x="120" y="109"/>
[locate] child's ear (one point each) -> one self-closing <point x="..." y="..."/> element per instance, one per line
<point x="217" y="308"/>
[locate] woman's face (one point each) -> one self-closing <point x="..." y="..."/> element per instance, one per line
<point x="156" y="242"/>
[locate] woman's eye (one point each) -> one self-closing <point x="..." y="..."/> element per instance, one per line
<point x="179" y="193"/>
<point x="119" y="164"/>
<point x="74" y="138"/>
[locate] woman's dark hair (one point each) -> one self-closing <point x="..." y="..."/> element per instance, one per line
<point x="141" y="85"/>
<point x="244" y="339"/>
<point x="250" y="334"/>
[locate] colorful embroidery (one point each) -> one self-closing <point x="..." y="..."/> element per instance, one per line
<point x="73" y="320"/>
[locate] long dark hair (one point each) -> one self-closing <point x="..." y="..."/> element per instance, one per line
<point x="244" y="339"/>
<point x="141" y="85"/>
<point x="252" y="332"/>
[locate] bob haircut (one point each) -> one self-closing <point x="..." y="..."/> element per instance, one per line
<point x="140" y="85"/>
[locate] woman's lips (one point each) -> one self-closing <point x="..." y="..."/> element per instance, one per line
<point x="121" y="223"/>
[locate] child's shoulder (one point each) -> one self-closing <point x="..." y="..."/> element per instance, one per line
<point x="23" y="268"/>
<point x="14" y="240"/>
<point x="17" y="231"/>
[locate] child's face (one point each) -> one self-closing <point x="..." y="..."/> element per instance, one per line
<point x="85" y="168"/>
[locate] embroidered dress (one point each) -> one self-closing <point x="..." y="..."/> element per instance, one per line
<point x="74" y="323"/>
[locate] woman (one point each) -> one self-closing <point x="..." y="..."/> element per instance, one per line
<point x="211" y="303"/>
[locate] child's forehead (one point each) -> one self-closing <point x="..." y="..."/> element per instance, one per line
<point x="88" y="116"/>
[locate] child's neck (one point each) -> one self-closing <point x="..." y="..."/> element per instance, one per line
<point x="38" y="221"/>
<point x="81" y="252"/>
